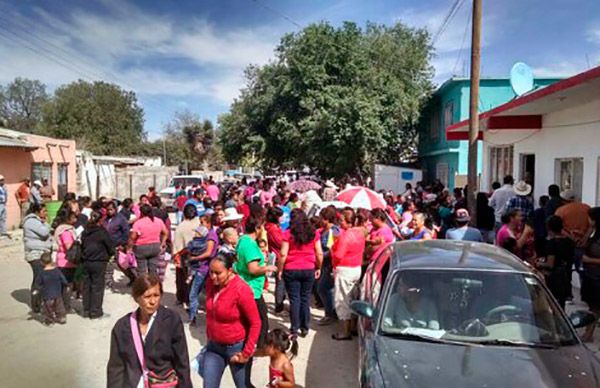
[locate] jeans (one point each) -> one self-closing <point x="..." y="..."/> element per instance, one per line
<point x="147" y="257"/>
<point x="35" y="296"/>
<point x="195" y="289"/>
<point x="326" y="287"/>
<point x="279" y="294"/>
<point x="69" y="274"/>
<point x="93" y="287"/>
<point x="216" y="360"/>
<point x="2" y="219"/>
<point x="298" y="284"/>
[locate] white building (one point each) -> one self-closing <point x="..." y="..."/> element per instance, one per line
<point x="550" y="135"/>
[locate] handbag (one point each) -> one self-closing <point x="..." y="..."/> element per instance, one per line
<point x="73" y="254"/>
<point x="126" y="260"/>
<point x="151" y="379"/>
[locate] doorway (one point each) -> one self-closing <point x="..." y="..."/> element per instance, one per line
<point x="528" y="169"/>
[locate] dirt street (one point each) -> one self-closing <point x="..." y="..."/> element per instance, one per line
<point x="75" y="355"/>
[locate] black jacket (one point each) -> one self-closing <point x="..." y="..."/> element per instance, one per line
<point x="165" y="348"/>
<point x="96" y="244"/>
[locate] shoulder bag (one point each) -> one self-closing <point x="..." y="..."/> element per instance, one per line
<point x="151" y="379"/>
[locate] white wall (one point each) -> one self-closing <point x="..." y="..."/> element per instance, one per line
<point x="560" y="137"/>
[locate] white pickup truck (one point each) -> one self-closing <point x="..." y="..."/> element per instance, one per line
<point x="167" y="195"/>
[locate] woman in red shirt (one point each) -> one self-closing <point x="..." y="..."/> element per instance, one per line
<point x="347" y="254"/>
<point x="300" y="265"/>
<point x="232" y="324"/>
<point x="275" y="240"/>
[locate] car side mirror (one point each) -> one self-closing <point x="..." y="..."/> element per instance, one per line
<point x="581" y="318"/>
<point x="362" y="308"/>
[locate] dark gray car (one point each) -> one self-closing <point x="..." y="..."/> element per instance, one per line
<point x="461" y="314"/>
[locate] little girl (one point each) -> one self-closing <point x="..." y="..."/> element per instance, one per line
<point x="281" y="370"/>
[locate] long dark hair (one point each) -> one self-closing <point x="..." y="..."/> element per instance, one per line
<point x="301" y="228"/>
<point x="94" y="220"/>
<point x="146" y="211"/>
<point x="274" y="213"/>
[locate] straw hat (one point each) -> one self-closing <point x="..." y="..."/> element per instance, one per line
<point x="231" y="214"/>
<point x="522" y="188"/>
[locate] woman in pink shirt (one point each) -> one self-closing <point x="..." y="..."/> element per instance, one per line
<point x="381" y="235"/>
<point x="299" y="265"/>
<point x="64" y="238"/>
<point x="266" y="196"/>
<point x="347" y="254"/>
<point x="148" y="239"/>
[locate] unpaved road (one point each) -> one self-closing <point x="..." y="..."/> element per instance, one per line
<point x="75" y="355"/>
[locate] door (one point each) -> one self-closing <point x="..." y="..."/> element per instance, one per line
<point x="63" y="180"/>
<point x="527" y="172"/>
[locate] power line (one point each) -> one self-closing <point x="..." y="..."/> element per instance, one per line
<point x="462" y="45"/>
<point x="69" y="60"/>
<point x="278" y="13"/>
<point x="447" y="19"/>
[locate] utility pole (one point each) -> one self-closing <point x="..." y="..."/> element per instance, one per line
<point x="474" y="109"/>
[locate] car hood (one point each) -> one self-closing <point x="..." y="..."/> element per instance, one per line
<point x="405" y="363"/>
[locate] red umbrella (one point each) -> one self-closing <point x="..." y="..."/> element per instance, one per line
<point x="361" y="197"/>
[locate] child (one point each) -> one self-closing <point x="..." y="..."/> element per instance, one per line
<point x="230" y="239"/>
<point x="196" y="247"/>
<point x="560" y="253"/>
<point x="281" y="370"/>
<point x="264" y="248"/>
<point x="51" y="283"/>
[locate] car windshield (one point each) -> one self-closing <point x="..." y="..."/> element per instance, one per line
<point x="185" y="182"/>
<point x="487" y="308"/>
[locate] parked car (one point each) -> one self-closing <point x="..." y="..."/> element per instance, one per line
<point x="460" y="314"/>
<point x="167" y="195"/>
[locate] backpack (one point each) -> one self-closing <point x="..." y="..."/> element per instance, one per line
<point x="73" y="254"/>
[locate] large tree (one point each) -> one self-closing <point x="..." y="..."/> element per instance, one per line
<point x="188" y="142"/>
<point x="335" y="99"/>
<point x="102" y="117"/>
<point x="21" y="104"/>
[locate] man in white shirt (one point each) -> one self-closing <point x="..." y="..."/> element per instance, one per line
<point x="500" y="197"/>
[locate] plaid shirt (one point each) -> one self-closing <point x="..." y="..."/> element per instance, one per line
<point x="522" y="203"/>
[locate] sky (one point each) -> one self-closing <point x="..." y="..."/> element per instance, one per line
<point x="191" y="55"/>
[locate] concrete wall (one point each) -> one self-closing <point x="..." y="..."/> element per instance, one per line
<point x="15" y="164"/>
<point x="559" y="138"/>
<point x="134" y="181"/>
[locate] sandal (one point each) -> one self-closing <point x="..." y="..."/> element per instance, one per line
<point x="338" y="337"/>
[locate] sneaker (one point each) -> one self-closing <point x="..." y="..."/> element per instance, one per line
<point x="303" y="332"/>
<point x="325" y="321"/>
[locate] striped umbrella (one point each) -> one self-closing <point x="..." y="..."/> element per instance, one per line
<point x="361" y="197"/>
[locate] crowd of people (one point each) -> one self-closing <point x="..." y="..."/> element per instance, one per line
<point x="231" y="241"/>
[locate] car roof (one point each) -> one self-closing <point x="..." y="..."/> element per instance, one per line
<point x="449" y="254"/>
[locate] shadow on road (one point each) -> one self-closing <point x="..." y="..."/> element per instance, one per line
<point x="21" y="295"/>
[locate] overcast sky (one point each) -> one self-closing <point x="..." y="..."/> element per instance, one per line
<point x="191" y="54"/>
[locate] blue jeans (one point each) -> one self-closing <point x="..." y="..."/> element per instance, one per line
<point x="2" y="219"/>
<point x="195" y="289"/>
<point x="326" y="287"/>
<point x="298" y="284"/>
<point x="216" y="360"/>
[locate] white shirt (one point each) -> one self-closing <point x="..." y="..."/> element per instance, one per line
<point x="499" y="200"/>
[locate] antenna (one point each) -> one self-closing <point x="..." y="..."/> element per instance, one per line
<point x="521" y="78"/>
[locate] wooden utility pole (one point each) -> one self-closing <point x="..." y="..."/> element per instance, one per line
<point x="474" y="110"/>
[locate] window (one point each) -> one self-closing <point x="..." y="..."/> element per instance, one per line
<point x="501" y="163"/>
<point x="441" y="173"/>
<point x="448" y="114"/>
<point x="568" y="174"/>
<point x="39" y="171"/>
<point x="434" y="126"/>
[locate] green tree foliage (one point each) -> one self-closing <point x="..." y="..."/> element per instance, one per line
<point x="335" y="99"/>
<point x="188" y="142"/>
<point x="21" y="104"/>
<point x="103" y="118"/>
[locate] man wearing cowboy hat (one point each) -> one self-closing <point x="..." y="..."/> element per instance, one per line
<point x="521" y="201"/>
<point x="3" y="199"/>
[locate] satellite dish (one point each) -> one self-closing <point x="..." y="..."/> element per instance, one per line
<point x="521" y="78"/>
